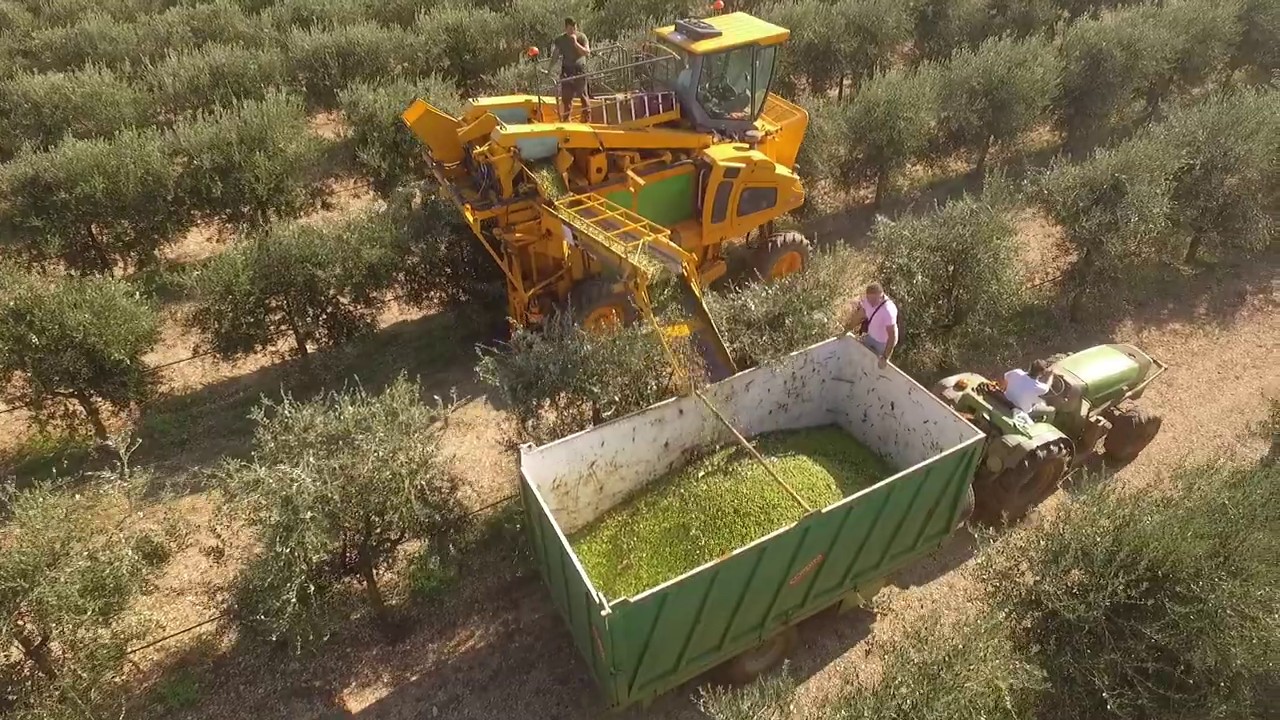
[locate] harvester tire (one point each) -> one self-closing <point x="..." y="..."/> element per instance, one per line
<point x="1005" y="498"/>
<point x="1132" y="429"/>
<point x="782" y="254"/>
<point x="966" y="509"/>
<point x="598" y="305"/>
<point x="751" y="664"/>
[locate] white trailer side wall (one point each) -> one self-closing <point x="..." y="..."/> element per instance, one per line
<point x="837" y="381"/>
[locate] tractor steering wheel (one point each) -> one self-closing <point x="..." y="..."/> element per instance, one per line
<point x="1057" y="386"/>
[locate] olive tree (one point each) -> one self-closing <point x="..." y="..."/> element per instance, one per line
<point x="465" y="43"/>
<point x="72" y="568"/>
<point x="943" y="26"/>
<point x="217" y="22"/>
<point x="285" y="15"/>
<point x="319" y="285"/>
<point x="74" y="340"/>
<point x="1196" y="38"/>
<point x="37" y="110"/>
<point x="1019" y="18"/>
<point x="1225" y="180"/>
<point x="1259" y="45"/>
<point x="968" y="666"/>
<point x="1149" y="604"/>
<point x="214" y="76"/>
<point x="335" y="489"/>
<point x="765" y="321"/>
<point x="994" y="94"/>
<point x="871" y="32"/>
<point x="250" y="164"/>
<point x="1107" y="64"/>
<point x="94" y="38"/>
<point x="560" y="379"/>
<point x="15" y="17"/>
<point x="94" y="204"/>
<point x="888" y="123"/>
<point x="521" y="77"/>
<point x="1114" y="212"/>
<point x="325" y="59"/>
<point x="385" y="150"/>
<point x="954" y="274"/>
<point x="813" y="50"/>
<point x="441" y="263"/>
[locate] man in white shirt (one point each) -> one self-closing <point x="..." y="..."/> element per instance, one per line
<point x="876" y="317"/>
<point x="1024" y="389"/>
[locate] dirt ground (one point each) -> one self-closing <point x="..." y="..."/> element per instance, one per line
<point x="496" y="647"/>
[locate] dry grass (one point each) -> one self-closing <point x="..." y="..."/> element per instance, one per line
<point x="495" y="647"/>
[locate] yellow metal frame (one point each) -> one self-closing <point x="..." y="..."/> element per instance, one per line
<point x="484" y="165"/>
<point x="737" y="30"/>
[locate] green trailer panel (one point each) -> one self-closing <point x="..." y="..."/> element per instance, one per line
<point x="571" y="592"/>
<point x="642" y="646"/>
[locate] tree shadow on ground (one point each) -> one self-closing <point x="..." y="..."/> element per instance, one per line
<point x="494" y="647"/>
<point x="181" y="434"/>
<point x="1213" y="293"/>
<point x="852" y="225"/>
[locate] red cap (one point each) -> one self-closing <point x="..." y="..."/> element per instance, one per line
<point x="717" y="5"/>
<point x="533" y="51"/>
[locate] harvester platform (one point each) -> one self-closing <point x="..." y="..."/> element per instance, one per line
<point x="639" y="251"/>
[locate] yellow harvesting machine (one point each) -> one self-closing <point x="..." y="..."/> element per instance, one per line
<point x="681" y="151"/>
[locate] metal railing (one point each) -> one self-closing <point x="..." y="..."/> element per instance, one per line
<point x="619" y="69"/>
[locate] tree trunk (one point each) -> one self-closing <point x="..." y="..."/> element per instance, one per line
<point x="840" y="89"/>
<point x="1075" y="305"/>
<point x="980" y="170"/>
<point x="364" y="562"/>
<point x="94" y="415"/>
<point x="102" y="258"/>
<point x="299" y="338"/>
<point x="1193" y="250"/>
<point x="37" y="651"/>
<point x="882" y="186"/>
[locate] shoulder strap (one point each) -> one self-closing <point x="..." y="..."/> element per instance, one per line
<point x="873" y="312"/>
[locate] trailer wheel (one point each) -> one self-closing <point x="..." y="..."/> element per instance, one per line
<point x="1133" y="427"/>
<point x="749" y="665"/>
<point x="782" y="254"/>
<point x="1005" y="498"/>
<point x="966" y="509"/>
<point x="598" y="306"/>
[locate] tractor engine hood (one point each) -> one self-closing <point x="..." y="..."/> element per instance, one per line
<point x="1106" y="371"/>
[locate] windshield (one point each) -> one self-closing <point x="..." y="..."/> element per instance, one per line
<point x="671" y="72"/>
<point x="733" y="85"/>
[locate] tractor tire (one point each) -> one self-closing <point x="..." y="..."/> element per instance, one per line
<point x="753" y="663"/>
<point x="782" y="254"/>
<point x="1005" y="498"/>
<point x="966" y="509"/>
<point x="1133" y="427"/>
<point x="598" y="306"/>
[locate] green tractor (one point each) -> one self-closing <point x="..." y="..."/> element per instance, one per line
<point x="1093" y="398"/>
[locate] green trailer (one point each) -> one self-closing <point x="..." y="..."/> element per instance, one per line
<point x="737" y="608"/>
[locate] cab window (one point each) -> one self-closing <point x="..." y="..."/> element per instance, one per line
<point x="671" y="70"/>
<point x="733" y="84"/>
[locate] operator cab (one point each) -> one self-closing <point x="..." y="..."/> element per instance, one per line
<point x="723" y="68"/>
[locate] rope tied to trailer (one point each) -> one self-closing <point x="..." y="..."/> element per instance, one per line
<point x="754" y="453"/>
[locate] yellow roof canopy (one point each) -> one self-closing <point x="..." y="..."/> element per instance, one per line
<point x="736" y="30"/>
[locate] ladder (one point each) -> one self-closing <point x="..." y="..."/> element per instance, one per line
<point x="639" y="251"/>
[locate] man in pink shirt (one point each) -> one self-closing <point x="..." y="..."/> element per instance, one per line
<point x="876" y="317"/>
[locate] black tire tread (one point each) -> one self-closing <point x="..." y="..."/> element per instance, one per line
<point x="777" y="244"/>
<point x="1133" y="427"/>
<point x="587" y="295"/>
